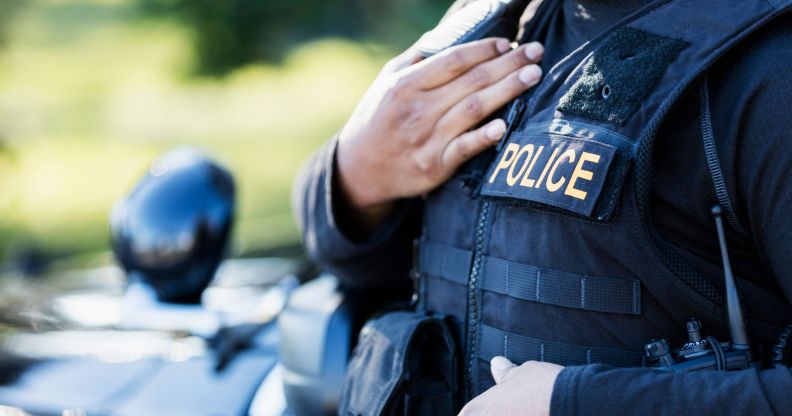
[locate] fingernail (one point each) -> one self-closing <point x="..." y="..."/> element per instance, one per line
<point x="500" y="363"/>
<point x="534" y="51"/>
<point x="496" y="129"/>
<point x="502" y="45"/>
<point x="530" y="74"/>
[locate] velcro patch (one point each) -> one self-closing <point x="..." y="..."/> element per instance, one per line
<point x="620" y="74"/>
<point x="560" y="171"/>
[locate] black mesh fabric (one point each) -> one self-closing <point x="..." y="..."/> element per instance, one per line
<point x="643" y="176"/>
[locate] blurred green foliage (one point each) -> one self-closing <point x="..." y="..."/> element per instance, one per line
<point x="92" y="90"/>
<point x="230" y="33"/>
<point x="8" y="9"/>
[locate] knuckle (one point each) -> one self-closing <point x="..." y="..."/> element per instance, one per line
<point x="398" y="89"/>
<point x="411" y="116"/>
<point x="516" y="85"/>
<point x="424" y="166"/>
<point x="486" y="45"/>
<point x="464" y="149"/>
<point x="401" y="85"/>
<point x="482" y="140"/>
<point x="417" y="108"/>
<point x="478" y="77"/>
<point x="518" y="57"/>
<point x="455" y="61"/>
<point x="473" y="107"/>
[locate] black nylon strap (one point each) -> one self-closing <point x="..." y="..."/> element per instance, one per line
<point x="444" y="261"/>
<point x="559" y="288"/>
<point x="535" y="284"/>
<point x="520" y="349"/>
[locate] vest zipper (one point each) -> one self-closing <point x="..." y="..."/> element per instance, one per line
<point x="472" y="318"/>
<point x="512" y="119"/>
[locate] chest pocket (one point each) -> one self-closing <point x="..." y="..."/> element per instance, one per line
<point x="568" y="166"/>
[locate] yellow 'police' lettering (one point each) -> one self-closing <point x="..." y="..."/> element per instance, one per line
<point x="552" y="185"/>
<point x="580" y="173"/>
<point x="526" y="180"/>
<point x="527" y="150"/>
<point x="519" y="162"/>
<point x="506" y="160"/>
<point x="546" y="168"/>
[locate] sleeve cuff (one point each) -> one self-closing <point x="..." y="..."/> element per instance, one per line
<point x="342" y="236"/>
<point x="564" y="398"/>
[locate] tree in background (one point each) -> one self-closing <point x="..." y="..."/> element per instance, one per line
<point x="230" y="33"/>
<point x="8" y="9"/>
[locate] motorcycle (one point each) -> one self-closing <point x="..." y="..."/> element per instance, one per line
<point x="173" y="329"/>
<point x="261" y="343"/>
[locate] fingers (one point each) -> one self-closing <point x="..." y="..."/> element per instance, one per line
<point x="475" y="107"/>
<point x="403" y="60"/>
<point x="453" y="62"/>
<point x="470" y="144"/>
<point x="488" y="73"/>
<point x="501" y="367"/>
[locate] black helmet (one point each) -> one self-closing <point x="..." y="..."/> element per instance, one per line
<point x="172" y="229"/>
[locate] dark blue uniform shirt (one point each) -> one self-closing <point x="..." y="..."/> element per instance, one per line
<point x="751" y="96"/>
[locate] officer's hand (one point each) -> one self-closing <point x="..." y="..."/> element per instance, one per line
<point x="409" y="133"/>
<point x="520" y="390"/>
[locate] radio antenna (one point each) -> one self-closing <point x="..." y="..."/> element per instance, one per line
<point x="733" y="308"/>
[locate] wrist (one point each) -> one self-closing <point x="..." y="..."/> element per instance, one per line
<point x="357" y="199"/>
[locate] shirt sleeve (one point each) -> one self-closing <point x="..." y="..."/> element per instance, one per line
<point x="764" y="163"/>
<point x="381" y="260"/>
<point x="592" y="390"/>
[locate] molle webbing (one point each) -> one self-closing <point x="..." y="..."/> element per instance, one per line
<point x="520" y="349"/>
<point x="444" y="261"/>
<point x="531" y="283"/>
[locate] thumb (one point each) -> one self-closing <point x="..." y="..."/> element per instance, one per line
<point x="501" y="367"/>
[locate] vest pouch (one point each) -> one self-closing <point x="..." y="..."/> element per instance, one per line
<point x="405" y="363"/>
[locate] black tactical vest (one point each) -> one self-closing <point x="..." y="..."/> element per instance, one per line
<point x="553" y="256"/>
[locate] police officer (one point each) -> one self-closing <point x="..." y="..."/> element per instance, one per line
<point x="622" y="255"/>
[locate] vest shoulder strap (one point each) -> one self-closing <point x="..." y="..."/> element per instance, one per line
<point x="615" y="91"/>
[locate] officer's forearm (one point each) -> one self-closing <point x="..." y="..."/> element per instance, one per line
<point x="598" y="390"/>
<point x="356" y="216"/>
<point x="381" y="261"/>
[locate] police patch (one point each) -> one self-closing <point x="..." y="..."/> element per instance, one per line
<point x="568" y="172"/>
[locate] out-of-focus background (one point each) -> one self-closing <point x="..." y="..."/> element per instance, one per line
<point x="92" y="90"/>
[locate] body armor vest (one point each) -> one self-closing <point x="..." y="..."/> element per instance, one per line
<point x="553" y="257"/>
